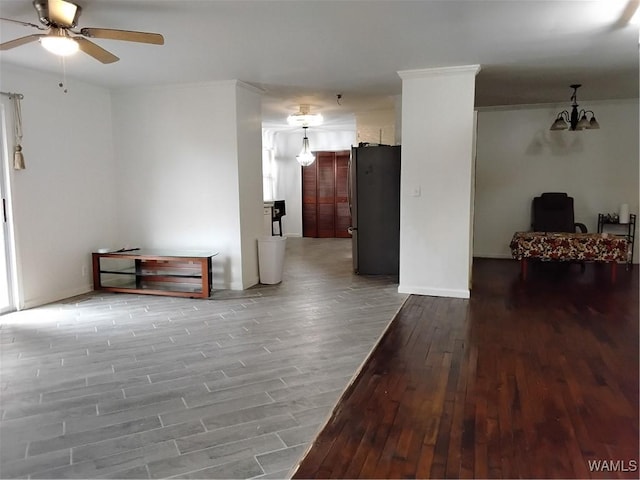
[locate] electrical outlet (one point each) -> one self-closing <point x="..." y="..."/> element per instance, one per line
<point x="84" y="270"/>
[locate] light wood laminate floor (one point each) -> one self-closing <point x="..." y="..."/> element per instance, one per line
<point x="135" y="386"/>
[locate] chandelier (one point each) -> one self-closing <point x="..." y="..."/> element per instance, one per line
<point x="578" y="120"/>
<point x="305" y="157"/>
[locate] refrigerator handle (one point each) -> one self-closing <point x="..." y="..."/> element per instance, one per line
<point x="349" y="180"/>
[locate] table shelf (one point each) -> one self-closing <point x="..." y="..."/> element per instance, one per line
<point x="628" y="230"/>
<point x="187" y="274"/>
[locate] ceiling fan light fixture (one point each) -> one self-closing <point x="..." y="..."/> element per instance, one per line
<point x="59" y="43"/>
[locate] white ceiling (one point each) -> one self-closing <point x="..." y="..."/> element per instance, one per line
<point x="307" y="51"/>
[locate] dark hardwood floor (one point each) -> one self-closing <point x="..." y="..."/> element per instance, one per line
<point x="535" y="379"/>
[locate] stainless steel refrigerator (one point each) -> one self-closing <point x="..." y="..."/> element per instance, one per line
<point x="375" y="209"/>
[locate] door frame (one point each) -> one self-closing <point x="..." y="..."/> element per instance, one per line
<point x="8" y="271"/>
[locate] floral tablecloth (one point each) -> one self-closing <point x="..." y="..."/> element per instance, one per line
<point x="598" y="247"/>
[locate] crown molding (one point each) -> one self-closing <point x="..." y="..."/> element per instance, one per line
<point x="439" y="71"/>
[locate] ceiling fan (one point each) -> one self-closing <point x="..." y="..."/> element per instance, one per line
<point x="60" y="19"/>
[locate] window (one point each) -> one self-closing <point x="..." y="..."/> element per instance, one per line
<point x="268" y="175"/>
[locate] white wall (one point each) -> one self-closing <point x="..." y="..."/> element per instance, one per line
<point x="289" y="178"/>
<point x="518" y="158"/>
<point x="177" y="159"/>
<point x="64" y="202"/>
<point x="376" y="126"/>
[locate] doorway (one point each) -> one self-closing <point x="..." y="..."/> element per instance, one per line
<point x="325" y="196"/>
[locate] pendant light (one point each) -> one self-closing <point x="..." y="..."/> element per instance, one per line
<point x="577" y="119"/>
<point x="305" y="157"/>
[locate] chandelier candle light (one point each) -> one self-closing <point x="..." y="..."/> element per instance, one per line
<point x="303" y="118"/>
<point x="305" y="157"/>
<point x="577" y="119"/>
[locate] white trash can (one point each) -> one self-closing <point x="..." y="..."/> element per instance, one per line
<point x="271" y="259"/>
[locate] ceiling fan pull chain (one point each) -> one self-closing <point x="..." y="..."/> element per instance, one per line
<point x="64" y="75"/>
<point x="18" y="158"/>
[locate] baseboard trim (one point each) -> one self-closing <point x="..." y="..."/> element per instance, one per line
<point x="434" y="291"/>
<point x="56" y="297"/>
<point x="493" y="255"/>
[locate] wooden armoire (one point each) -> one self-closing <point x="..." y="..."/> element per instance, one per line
<point x="325" y="196"/>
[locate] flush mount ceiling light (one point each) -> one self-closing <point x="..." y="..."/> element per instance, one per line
<point x="305" y="157"/>
<point x="304" y="118"/>
<point x="578" y="120"/>
<point x="59" y="43"/>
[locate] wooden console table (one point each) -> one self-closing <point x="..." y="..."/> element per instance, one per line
<point x="587" y="247"/>
<point x="153" y="272"/>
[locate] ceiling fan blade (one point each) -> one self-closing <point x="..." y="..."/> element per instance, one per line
<point x="24" y="24"/>
<point x="62" y="13"/>
<point x="20" y="41"/>
<point x="126" y="35"/>
<point x="627" y="14"/>
<point x="95" y="51"/>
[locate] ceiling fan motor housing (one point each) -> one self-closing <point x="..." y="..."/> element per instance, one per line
<point x="61" y="14"/>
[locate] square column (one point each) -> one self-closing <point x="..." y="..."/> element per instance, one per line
<point x="436" y="180"/>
